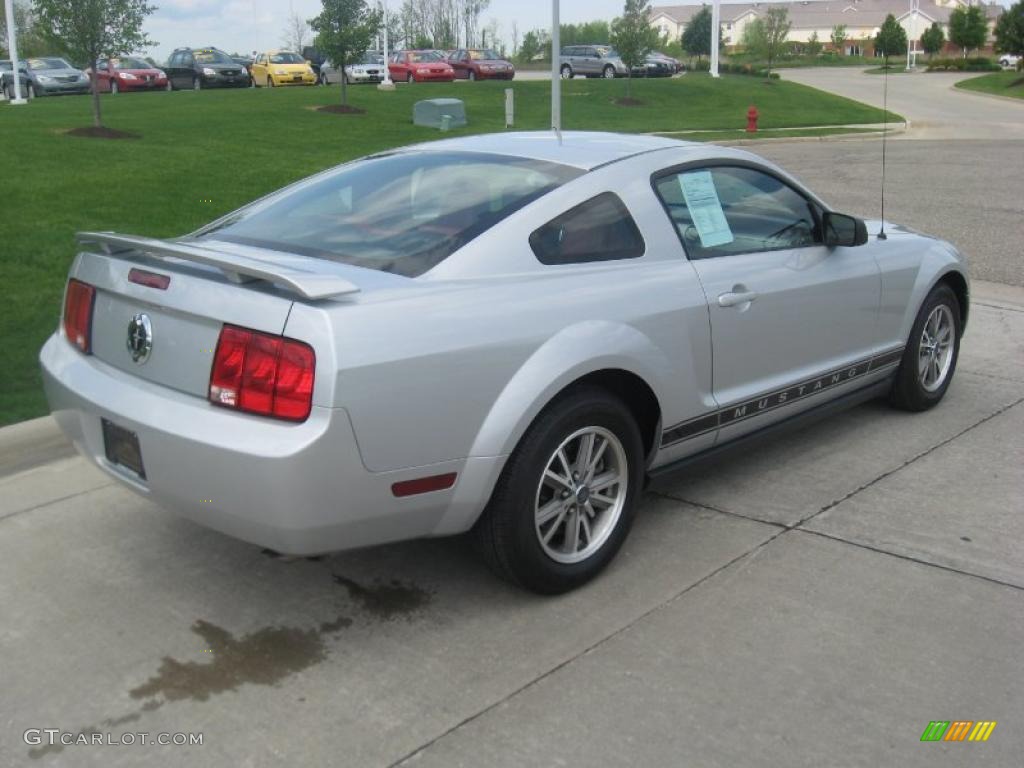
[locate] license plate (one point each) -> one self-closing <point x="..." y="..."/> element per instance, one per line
<point x="122" y="448"/>
<point x="297" y="79"/>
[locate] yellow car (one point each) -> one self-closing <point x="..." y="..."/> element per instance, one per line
<point x="282" y="68"/>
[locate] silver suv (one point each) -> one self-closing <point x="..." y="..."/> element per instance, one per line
<point x="591" y="61"/>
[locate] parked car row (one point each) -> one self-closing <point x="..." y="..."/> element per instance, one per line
<point x="604" y="61"/>
<point x="42" y="77"/>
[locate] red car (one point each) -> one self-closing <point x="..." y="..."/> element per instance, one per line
<point x="480" y="64"/>
<point x="127" y="73"/>
<point x="419" y="67"/>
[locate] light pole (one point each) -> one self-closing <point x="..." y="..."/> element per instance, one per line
<point x="716" y="25"/>
<point x="385" y="84"/>
<point x="12" y="46"/>
<point x="556" y="70"/>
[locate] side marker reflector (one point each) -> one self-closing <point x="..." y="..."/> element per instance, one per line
<point x="423" y="485"/>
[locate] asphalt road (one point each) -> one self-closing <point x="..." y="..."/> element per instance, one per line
<point x="817" y="601"/>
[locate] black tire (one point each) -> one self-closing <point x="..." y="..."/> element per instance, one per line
<point x="507" y="534"/>
<point x="323" y="79"/>
<point x="270" y="81"/>
<point x="197" y="84"/>
<point x="566" y="72"/>
<point x="409" y="78"/>
<point x="114" y="87"/>
<point x="608" y="72"/>
<point x="30" y="91"/>
<point x="472" y="75"/>
<point x="170" y="85"/>
<point x="909" y="391"/>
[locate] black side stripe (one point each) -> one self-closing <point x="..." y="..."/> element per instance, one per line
<point x="769" y="401"/>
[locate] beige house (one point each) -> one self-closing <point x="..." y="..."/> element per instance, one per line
<point x="862" y="18"/>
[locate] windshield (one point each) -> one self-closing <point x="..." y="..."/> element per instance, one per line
<point x="48" y="64"/>
<point x="401" y="213"/>
<point x="212" y="56"/>
<point x="372" y="58"/>
<point x="483" y="55"/>
<point x="286" y="58"/>
<point x="127" y="63"/>
<point x="420" y="57"/>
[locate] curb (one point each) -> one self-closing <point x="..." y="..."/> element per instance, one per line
<point x="29" y="444"/>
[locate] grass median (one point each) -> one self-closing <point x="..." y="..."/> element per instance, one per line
<point x="201" y="154"/>
<point x="1009" y="84"/>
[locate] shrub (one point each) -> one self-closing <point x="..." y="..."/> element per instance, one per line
<point x="973" y="64"/>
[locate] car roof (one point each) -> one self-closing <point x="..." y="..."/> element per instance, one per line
<point x="581" y="149"/>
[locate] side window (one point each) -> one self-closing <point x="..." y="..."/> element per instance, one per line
<point x="600" y="229"/>
<point x="729" y="210"/>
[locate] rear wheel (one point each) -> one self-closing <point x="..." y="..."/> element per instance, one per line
<point x="608" y="72"/>
<point x="472" y="75"/>
<point x="929" y="360"/>
<point x="567" y="497"/>
<point x="270" y="81"/>
<point x="566" y="72"/>
<point x="197" y="84"/>
<point x="409" y="78"/>
<point x="169" y="86"/>
<point x="30" y="91"/>
<point x="323" y="78"/>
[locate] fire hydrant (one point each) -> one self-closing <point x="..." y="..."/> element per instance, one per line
<point x="752" y="119"/>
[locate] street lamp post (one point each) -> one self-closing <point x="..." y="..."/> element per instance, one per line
<point x="556" y="70"/>
<point x="385" y="84"/>
<point x="12" y="45"/>
<point x="716" y="26"/>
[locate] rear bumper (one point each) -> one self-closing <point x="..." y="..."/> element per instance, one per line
<point x="296" y="488"/>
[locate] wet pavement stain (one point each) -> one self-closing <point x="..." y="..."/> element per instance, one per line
<point x="263" y="657"/>
<point x="386" y="601"/>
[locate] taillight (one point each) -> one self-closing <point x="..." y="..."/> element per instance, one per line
<point x="78" y="301"/>
<point x="261" y="373"/>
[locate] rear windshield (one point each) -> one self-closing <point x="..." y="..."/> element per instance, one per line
<point x="401" y="213"/>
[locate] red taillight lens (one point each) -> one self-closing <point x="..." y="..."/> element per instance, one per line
<point x="78" y="301"/>
<point x="264" y="374"/>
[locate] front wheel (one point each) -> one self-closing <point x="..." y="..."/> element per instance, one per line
<point x="197" y="84"/>
<point x="472" y="75"/>
<point x="323" y="78"/>
<point x="409" y="78"/>
<point x="566" y="499"/>
<point x="930" y="357"/>
<point x="169" y="86"/>
<point x="114" y="87"/>
<point x="566" y="72"/>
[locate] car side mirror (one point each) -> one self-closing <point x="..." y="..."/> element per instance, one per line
<point x="843" y="230"/>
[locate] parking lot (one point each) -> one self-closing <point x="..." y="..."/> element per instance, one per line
<point x="816" y="601"/>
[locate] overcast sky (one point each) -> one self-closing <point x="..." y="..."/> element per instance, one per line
<point x="248" y="25"/>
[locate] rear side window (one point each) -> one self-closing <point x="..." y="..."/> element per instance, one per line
<point x="601" y="229"/>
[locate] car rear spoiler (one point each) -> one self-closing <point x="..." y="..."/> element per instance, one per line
<point x="237" y="268"/>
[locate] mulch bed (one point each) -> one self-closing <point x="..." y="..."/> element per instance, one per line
<point x="627" y="101"/>
<point x="101" y="133"/>
<point x="341" y="109"/>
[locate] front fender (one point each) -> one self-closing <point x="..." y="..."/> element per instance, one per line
<point x="569" y="355"/>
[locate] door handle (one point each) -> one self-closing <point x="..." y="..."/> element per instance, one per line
<point x="733" y="298"/>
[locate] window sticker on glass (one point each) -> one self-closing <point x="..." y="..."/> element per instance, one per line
<point x="705" y="208"/>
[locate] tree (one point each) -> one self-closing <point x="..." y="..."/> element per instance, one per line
<point x="968" y="28"/>
<point x="535" y="44"/>
<point x="766" y="37"/>
<point x="813" y="44"/>
<point x="344" y="30"/>
<point x="696" y="38"/>
<point x="891" y="39"/>
<point x="85" y="30"/>
<point x="1010" y="31"/>
<point x="633" y="36"/>
<point x="293" y="36"/>
<point x="932" y="39"/>
<point x="838" y="37"/>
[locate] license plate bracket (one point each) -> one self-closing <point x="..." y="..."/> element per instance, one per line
<point x="122" y="448"/>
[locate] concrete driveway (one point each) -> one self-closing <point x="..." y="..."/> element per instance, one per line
<point x="815" y="602"/>
<point x="935" y="109"/>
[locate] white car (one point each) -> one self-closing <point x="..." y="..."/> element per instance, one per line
<point x="1008" y="60"/>
<point x="369" y="69"/>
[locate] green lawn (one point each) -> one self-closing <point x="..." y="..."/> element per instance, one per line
<point x="998" y="83"/>
<point x="203" y="154"/>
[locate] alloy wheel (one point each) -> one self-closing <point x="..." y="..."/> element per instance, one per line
<point x="935" y="349"/>
<point x="581" y="494"/>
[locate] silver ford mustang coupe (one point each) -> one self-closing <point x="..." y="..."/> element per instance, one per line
<point x="507" y="334"/>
